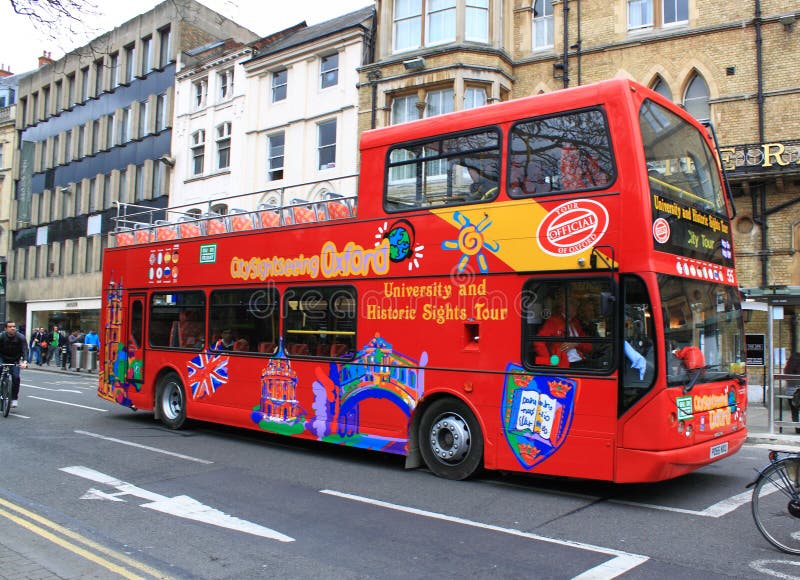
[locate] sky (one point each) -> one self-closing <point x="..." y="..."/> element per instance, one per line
<point x="22" y="42"/>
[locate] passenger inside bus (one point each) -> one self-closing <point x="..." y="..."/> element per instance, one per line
<point x="563" y="354"/>
<point x="483" y="187"/>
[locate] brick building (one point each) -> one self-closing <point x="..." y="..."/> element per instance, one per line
<point x="732" y="67"/>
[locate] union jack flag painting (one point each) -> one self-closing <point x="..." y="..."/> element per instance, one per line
<point x="207" y="372"/>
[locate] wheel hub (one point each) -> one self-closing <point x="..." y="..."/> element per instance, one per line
<point x="450" y="439"/>
<point x="794" y="508"/>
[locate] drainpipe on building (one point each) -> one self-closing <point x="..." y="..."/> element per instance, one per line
<point x="565" y="78"/>
<point x="579" y="42"/>
<point x="760" y="101"/>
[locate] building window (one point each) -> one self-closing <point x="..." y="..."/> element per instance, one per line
<point x="542" y="24"/>
<point x="279" y="81"/>
<point x="92" y="193"/>
<point x="225" y="82"/>
<point x="161" y="112"/>
<point x="326" y="149"/>
<point x="81" y="141"/>
<point x="88" y="265"/>
<point x="200" y="92"/>
<point x="275" y="149"/>
<point x="130" y="62"/>
<point x="113" y="65"/>
<point x="147" y="49"/>
<point x="125" y="126"/>
<point x="477" y="21"/>
<point x="123" y="186"/>
<point x="95" y="136"/>
<point x="675" y="11"/>
<point x="98" y="77"/>
<point x="75" y="248"/>
<point x="59" y="96"/>
<point x="68" y="147"/>
<point x="404" y="109"/>
<point x="198" y="151"/>
<point x="46" y="101"/>
<point x="662" y="88"/>
<point x="438" y="102"/>
<point x="441" y="21"/>
<point x="106" y="191"/>
<point x="407" y="24"/>
<point x="329" y="70"/>
<point x="474" y="97"/>
<point x="695" y="100"/>
<point x="71" y="90"/>
<point x="77" y="198"/>
<point x="84" y="83"/>
<point x="640" y="14"/>
<point x="109" y="131"/>
<point x="143" y="114"/>
<point x="54" y="152"/>
<point x="164" y="46"/>
<point x="138" y="183"/>
<point x="158" y="171"/>
<point x="224" y="146"/>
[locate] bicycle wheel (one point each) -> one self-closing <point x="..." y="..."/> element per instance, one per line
<point x="776" y="504"/>
<point x="5" y="395"/>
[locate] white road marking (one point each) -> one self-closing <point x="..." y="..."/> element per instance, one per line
<point x="181" y="506"/>
<point x="763" y="566"/>
<point x="620" y="564"/>
<point x="147" y="447"/>
<point x="65" y="403"/>
<point x="54" y="390"/>
<point x="717" y="510"/>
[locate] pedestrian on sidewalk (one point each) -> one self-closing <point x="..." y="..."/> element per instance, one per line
<point x="793" y="386"/>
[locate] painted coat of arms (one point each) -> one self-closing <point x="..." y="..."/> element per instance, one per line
<point x="537" y="414"/>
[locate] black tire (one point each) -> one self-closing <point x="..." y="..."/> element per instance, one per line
<point x="171" y="401"/>
<point x="776" y="504"/>
<point x="451" y="440"/>
<point x="5" y="396"/>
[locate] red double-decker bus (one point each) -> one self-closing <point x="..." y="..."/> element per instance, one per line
<point x="544" y="285"/>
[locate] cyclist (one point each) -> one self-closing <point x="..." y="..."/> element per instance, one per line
<point x="13" y="349"/>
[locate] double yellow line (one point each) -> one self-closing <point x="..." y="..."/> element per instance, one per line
<point x="72" y="541"/>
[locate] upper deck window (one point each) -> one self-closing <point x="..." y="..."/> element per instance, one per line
<point x="568" y="152"/>
<point x="443" y="170"/>
<point x="680" y="165"/>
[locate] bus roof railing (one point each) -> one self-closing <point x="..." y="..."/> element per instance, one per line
<point x="303" y="203"/>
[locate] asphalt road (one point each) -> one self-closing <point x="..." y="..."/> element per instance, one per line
<point x="90" y="489"/>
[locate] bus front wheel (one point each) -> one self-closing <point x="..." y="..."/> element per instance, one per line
<point x="171" y="401"/>
<point x="450" y="439"/>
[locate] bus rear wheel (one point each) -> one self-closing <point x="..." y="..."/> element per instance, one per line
<point x="450" y="439"/>
<point x="171" y="401"/>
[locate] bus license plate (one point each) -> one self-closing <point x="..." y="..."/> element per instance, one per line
<point x="718" y="450"/>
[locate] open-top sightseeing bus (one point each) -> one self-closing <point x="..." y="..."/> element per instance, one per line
<point x="544" y="285"/>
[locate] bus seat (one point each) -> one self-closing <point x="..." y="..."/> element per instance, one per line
<point x="189" y="227"/>
<point x="298" y="348"/>
<point x="268" y="215"/>
<point x="215" y="223"/>
<point x="303" y="215"/>
<point x="124" y="236"/>
<point x="241" y="220"/>
<point x="267" y="347"/>
<point x="143" y="233"/>
<point x="337" y="210"/>
<point x="166" y="231"/>
<point x="241" y="345"/>
<point x="338" y="349"/>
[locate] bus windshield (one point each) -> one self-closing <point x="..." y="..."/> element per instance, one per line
<point x="680" y="165"/>
<point x="703" y="331"/>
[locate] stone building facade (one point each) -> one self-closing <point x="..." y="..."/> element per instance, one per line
<point x="95" y="128"/>
<point x="731" y="66"/>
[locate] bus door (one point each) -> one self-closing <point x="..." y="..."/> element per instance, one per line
<point x="134" y="337"/>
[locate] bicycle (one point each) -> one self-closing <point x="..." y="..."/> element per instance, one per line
<point x="6" y="387"/>
<point x="776" y="501"/>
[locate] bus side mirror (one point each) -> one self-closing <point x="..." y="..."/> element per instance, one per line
<point x="607" y="300"/>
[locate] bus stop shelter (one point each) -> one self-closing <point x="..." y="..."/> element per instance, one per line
<point x="772" y="334"/>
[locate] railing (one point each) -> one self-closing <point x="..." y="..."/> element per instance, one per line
<point x="5" y="113"/>
<point x="138" y="224"/>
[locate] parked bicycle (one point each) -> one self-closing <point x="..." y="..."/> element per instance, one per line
<point x="6" y="386"/>
<point x="776" y="501"/>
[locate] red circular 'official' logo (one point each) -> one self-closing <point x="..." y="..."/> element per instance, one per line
<point x="572" y="227"/>
<point x="661" y="230"/>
